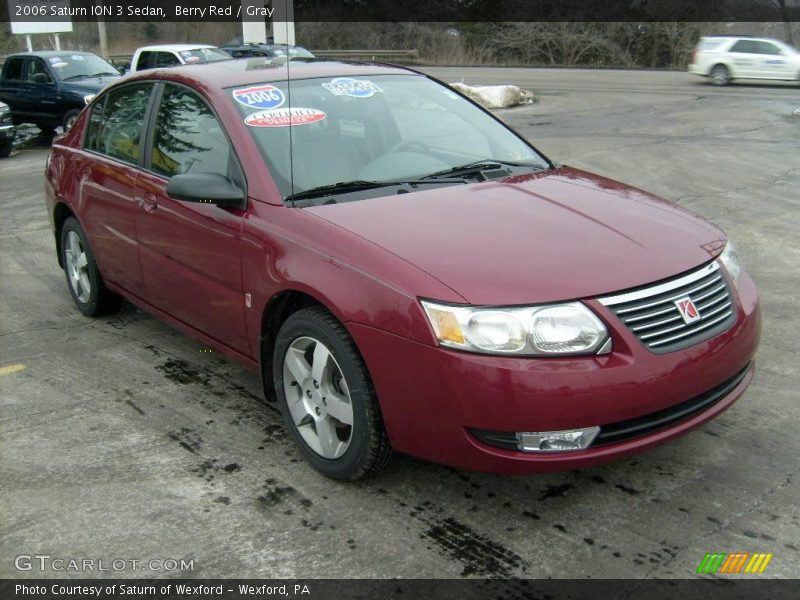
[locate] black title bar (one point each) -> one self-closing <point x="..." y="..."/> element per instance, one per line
<point x="401" y="10"/>
<point x="341" y="589"/>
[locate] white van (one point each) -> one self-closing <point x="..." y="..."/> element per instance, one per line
<point x="724" y="59"/>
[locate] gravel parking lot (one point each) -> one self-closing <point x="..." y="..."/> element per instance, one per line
<point x="121" y="438"/>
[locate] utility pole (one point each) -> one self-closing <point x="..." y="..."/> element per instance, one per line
<point x="101" y="33"/>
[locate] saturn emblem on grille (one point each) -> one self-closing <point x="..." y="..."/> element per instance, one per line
<point x="688" y="310"/>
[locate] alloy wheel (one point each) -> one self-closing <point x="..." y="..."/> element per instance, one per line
<point x="77" y="267"/>
<point x="318" y="397"/>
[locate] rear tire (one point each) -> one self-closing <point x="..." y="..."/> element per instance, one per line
<point x="720" y="75"/>
<point x="315" y="358"/>
<point x="84" y="281"/>
<point x="5" y="148"/>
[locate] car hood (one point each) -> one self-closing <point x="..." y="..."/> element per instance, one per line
<point x="556" y="235"/>
<point x="91" y="85"/>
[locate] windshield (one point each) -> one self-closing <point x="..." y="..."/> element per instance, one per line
<point x="203" y="55"/>
<point x="80" y="66"/>
<point x="293" y="51"/>
<point x="379" y="128"/>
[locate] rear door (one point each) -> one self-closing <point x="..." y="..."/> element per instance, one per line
<point x="191" y="252"/>
<point x="107" y="172"/>
<point x="746" y="58"/>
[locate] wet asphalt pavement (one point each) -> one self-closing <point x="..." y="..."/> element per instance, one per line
<point x="121" y="438"/>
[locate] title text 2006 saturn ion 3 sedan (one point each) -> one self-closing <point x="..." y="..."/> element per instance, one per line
<point x="404" y="270"/>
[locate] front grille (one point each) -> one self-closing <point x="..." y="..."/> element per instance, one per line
<point x="652" y="313"/>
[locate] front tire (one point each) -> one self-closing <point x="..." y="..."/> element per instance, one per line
<point x="326" y="397"/>
<point x="69" y="119"/>
<point x="720" y="75"/>
<point x="84" y="281"/>
<point x="5" y="149"/>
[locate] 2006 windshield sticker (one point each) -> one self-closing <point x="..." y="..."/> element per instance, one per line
<point x="260" y="96"/>
<point x="355" y="88"/>
<point x="284" y="117"/>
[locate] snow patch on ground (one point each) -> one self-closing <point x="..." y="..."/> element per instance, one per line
<point x="495" y="96"/>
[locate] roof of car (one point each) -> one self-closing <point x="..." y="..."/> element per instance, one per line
<point x="178" y="47"/>
<point x="49" y="53"/>
<point x="245" y="71"/>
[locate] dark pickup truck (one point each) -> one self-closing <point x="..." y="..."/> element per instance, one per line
<point x="49" y="89"/>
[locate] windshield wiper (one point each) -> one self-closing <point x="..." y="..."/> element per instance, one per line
<point x="103" y="73"/>
<point x="480" y="165"/>
<point x="358" y="185"/>
<point x="78" y="76"/>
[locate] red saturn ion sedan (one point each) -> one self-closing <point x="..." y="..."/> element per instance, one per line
<point x="406" y="272"/>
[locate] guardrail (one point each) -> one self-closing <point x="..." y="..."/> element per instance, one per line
<point x="401" y="56"/>
<point x="376" y="55"/>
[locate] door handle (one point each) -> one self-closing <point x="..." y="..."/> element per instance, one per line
<point x="150" y="202"/>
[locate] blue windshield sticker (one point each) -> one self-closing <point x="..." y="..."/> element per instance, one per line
<point x="260" y="96"/>
<point x="355" y="88"/>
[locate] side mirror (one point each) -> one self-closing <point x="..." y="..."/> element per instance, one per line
<point x="123" y="70"/>
<point x="206" y="188"/>
<point x="40" y="78"/>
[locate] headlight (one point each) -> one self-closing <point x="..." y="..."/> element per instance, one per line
<point x="730" y="258"/>
<point x="88" y="98"/>
<point x="555" y="329"/>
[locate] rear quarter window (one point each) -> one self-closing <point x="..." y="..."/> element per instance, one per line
<point x="709" y="45"/>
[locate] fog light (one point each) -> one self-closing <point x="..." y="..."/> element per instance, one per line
<point x="556" y="441"/>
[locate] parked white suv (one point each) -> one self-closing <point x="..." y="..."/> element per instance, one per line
<point x="726" y="58"/>
<point x="170" y="55"/>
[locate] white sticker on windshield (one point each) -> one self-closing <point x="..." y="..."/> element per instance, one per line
<point x="54" y="59"/>
<point x="76" y="57"/>
<point x="355" y="88"/>
<point x="284" y="117"/>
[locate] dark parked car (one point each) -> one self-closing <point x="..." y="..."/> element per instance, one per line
<point x="7" y="130"/>
<point x="49" y="89"/>
<point x="402" y="269"/>
<point x="270" y="51"/>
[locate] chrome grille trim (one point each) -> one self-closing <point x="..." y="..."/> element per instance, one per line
<point x="682" y="335"/>
<point x="662" y="288"/>
<point x="675" y="297"/>
<point x="652" y="315"/>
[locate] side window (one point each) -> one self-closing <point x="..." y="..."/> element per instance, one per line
<point x="116" y="129"/>
<point x="13" y="68"/>
<point x="166" y="59"/>
<point x="744" y="47"/>
<point x="188" y="137"/>
<point x="767" y="48"/>
<point x="37" y="72"/>
<point x="95" y="126"/>
<point x="145" y="61"/>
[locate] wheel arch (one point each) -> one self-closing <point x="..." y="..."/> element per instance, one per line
<point x="277" y="309"/>
<point x="721" y="63"/>
<point x="61" y="213"/>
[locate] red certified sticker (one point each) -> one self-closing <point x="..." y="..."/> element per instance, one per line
<point x="284" y="117"/>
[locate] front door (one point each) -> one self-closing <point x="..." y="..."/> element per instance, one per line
<point x="191" y="252"/>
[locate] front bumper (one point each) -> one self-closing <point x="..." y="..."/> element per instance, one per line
<point x="432" y="398"/>
<point x="7" y="132"/>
